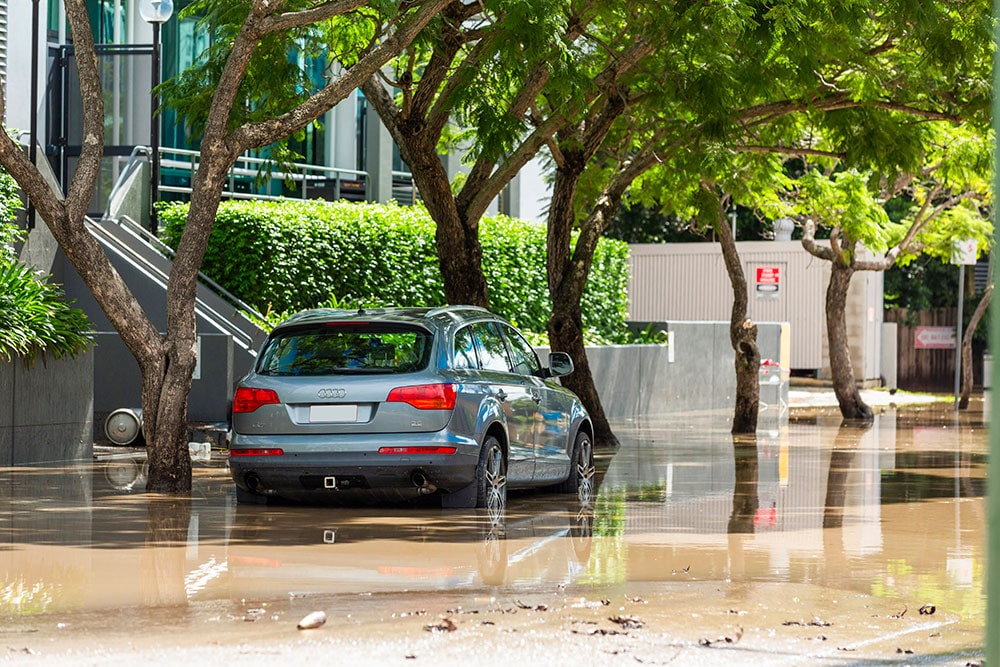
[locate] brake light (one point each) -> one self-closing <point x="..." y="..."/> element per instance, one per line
<point x="274" y="451"/>
<point x="416" y="450"/>
<point x="425" y="396"/>
<point x="248" y="399"/>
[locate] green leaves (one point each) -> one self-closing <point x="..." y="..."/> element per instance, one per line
<point x="35" y="318"/>
<point x="288" y="256"/>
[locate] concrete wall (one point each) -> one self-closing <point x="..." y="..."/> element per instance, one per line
<point x="46" y="411"/>
<point x="693" y="373"/>
<point x="118" y="383"/>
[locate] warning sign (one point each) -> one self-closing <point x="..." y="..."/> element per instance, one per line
<point x="768" y="282"/>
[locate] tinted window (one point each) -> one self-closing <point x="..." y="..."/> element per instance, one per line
<point x="465" y="349"/>
<point x="492" y="349"/>
<point x="346" y="349"/>
<point x="524" y="357"/>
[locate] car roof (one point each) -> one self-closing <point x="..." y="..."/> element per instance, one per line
<point x="437" y="318"/>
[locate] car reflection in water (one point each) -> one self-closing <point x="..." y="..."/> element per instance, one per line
<point x="310" y="550"/>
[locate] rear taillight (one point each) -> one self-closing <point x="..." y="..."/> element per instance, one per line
<point x="416" y="450"/>
<point x="271" y="451"/>
<point x="248" y="399"/>
<point x="425" y="396"/>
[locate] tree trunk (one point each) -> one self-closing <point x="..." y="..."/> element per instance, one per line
<point x="566" y="335"/>
<point x="567" y="277"/>
<point x="977" y="315"/>
<point x="742" y="336"/>
<point x="844" y="385"/>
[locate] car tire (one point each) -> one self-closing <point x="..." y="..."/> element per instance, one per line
<point x="581" y="470"/>
<point x="245" y="497"/>
<point x="491" y="477"/>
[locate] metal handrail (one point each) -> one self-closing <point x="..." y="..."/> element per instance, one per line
<point x="249" y="167"/>
<point x="168" y="252"/>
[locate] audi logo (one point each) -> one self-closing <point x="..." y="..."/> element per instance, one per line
<point x="332" y="393"/>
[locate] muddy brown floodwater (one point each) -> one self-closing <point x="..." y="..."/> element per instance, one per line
<point x="819" y="544"/>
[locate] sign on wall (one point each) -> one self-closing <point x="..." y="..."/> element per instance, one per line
<point x="934" y="338"/>
<point x="768" y="280"/>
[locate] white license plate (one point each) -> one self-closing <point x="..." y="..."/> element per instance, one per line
<point x="333" y="413"/>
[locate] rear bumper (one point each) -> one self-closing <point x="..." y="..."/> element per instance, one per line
<point x="318" y="469"/>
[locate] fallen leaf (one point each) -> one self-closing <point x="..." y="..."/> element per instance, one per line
<point x="906" y="651"/>
<point x="444" y="624"/>
<point x="540" y="607"/>
<point x="634" y="600"/>
<point x="816" y="623"/>
<point x="627" y="622"/>
<point x="598" y="631"/>
<point x="312" y="620"/>
<point x="927" y="610"/>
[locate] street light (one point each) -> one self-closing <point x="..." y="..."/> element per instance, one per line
<point x="155" y="12"/>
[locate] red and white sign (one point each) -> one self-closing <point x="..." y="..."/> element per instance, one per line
<point x="934" y="338"/>
<point x="768" y="282"/>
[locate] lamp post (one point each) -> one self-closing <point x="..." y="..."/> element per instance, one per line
<point x="155" y="13"/>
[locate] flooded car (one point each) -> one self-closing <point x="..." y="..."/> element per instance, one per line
<point x="406" y="403"/>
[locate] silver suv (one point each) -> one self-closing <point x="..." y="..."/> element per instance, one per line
<point x="451" y="401"/>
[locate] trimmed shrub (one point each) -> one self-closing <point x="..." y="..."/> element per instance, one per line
<point x="290" y="255"/>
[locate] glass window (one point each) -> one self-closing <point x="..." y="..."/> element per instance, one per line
<point x="524" y="357"/>
<point x="465" y="349"/>
<point x="492" y="349"/>
<point x="346" y="349"/>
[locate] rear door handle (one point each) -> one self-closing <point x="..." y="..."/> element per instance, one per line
<point x="501" y="395"/>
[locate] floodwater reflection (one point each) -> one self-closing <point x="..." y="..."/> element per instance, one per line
<point x="893" y="508"/>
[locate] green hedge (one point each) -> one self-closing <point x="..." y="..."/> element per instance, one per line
<point x="287" y="256"/>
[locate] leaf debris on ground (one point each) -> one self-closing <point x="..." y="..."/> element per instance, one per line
<point x="815" y="623"/>
<point x="738" y="635"/>
<point x="627" y="622"/>
<point x="540" y="607"/>
<point x="443" y="624"/>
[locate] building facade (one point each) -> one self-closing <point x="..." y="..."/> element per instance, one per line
<point x="353" y="153"/>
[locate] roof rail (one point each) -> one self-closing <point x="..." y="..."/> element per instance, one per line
<point x="452" y="308"/>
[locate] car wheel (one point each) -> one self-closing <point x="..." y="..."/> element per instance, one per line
<point x="491" y="477"/>
<point x="581" y="470"/>
<point x="245" y="497"/>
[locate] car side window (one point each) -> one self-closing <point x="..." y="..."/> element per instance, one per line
<point x="492" y="350"/>
<point x="465" y="349"/>
<point x="524" y="357"/>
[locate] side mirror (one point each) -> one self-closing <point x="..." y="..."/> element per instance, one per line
<point x="560" y="364"/>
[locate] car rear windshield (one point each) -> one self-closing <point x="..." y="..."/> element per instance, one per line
<point x="343" y="349"/>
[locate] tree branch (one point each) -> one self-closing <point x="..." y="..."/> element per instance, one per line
<point x="810" y="245"/>
<point x="261" y="133"/>
<point x="270" y="22"/>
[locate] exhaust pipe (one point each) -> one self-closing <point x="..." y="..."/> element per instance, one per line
<point x="252" y="481"/>
<point x="419" y="480"/>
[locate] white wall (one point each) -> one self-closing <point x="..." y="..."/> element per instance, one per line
<point x="17" y="86"/>
<point x="688" y="281"/>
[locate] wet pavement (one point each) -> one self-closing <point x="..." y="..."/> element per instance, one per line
<point x="819" y="543"/>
